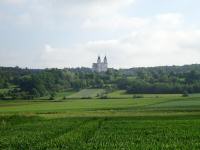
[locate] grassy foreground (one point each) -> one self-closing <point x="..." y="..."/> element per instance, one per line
<point x="20" y="132"/>
<point x="151" y="122"/>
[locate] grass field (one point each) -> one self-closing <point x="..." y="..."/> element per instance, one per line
<point x="123" y="94"/>
<point x="100" y="133"/>
<point x="153" y="122"/>
<point x="87" y="93"/>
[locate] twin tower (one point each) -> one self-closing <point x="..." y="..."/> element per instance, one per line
<point x="100" y="66"/>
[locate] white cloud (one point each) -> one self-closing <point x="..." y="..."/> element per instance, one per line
<point x="153" y="48"/>
<point x="173" y="18"/>
<point x="169" y="20"/>
<point x="156" y="43"/>
<point x="64" y="57"/>
<point x="24" y="19"/>
<point x="88" y="8"/>
<point x="116" y="22"/>
<point x="13" y="2"/>
<point x="161" y="39"/>
<point x="53" y="14"/>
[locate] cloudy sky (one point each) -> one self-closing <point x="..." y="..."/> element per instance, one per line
<point x="72" y="33"/>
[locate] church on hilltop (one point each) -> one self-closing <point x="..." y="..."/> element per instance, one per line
<point x="100" y="66"/>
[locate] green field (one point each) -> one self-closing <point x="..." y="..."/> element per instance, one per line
<point x="124" y="95"/>
<point x="164" y="121"/>
<point x="87" y="93"/>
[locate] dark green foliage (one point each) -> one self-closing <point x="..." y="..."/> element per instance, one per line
<point x="2" y="96"/>
<point x="161" y="82"/>
<point x="86" y="97"/>
<point x="30" y="83"/>
<point x="185" y="94"/>
<point x="52" y="96"/>
<point x="138" y="96"/>
<point x="104" y="96"/>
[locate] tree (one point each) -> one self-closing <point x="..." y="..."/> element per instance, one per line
<point x="185" y="94"/>
<point x="2" y="96"/>
<point x="35" y="92"/>
<point x="52" y="96"/>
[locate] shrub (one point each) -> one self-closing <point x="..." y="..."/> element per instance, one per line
<point x="104" y="97"/>
<point x="185" y="94"/>
<point x="2" y="96"/>
<point x="138" y="96"/>
<point x="52" y="96"/>
<point x="86" y="97"/>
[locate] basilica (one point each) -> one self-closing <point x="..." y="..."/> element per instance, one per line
<point x="100" y="66"/>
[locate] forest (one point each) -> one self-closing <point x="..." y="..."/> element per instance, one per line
<point x="24" y="83"/>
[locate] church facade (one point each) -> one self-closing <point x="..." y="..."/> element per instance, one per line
<point x="100" y="66"/>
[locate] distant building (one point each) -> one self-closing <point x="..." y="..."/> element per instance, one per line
<point x="100" y="66"/>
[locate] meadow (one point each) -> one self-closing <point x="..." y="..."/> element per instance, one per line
<point x="163" y="121"/>
<point x="87" y="93"/>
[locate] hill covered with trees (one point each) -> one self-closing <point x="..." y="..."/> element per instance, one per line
<point x="18" y="83"/>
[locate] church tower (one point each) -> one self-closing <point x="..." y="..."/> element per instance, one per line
<point x="98" y="69"/>
<point x="105" y="64"/>
<point x="105" y="60"/>
<point x="100" y="66"/>
<point x="99" y="60"/>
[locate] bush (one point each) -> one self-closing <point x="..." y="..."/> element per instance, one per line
<point x="52" y="97"/>
<point x="86" y="97"/>
<point x="98" y="95"/>
<point x="185" y="94"/>
<point x="138" y="96"/>
<point x="29" y="97"/>
<point x="2" y="96"/>
<point x="104" y="97"/>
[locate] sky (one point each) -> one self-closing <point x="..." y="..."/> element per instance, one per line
<point x="72" y="33"/>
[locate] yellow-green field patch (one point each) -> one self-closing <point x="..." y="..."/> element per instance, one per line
<point x="87" y="93"/>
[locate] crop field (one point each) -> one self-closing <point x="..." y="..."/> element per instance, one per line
<point x="91" y="93"/>
<point x="90" y="105"/>
<point x="123" y="94"/>
<point x="22" y="132"/>
<point x="151" y="122"/>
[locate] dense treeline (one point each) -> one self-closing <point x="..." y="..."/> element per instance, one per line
<point x="28" y="83"/>
<point x="161" y="80"/>
<point x="163" y="69"/>
<point x="31" y="83"/>
<point x="8" y="75"/>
